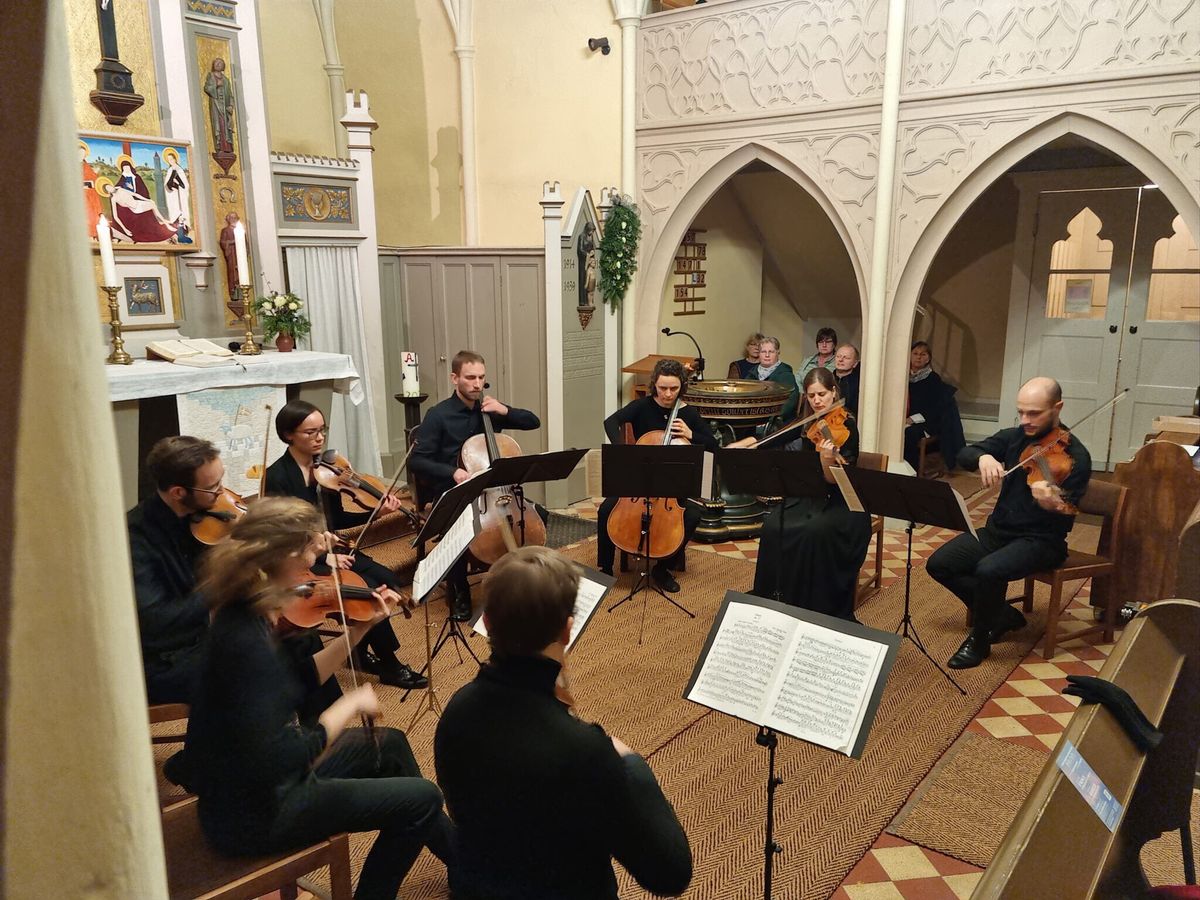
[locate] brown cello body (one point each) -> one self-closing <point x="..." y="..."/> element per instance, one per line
<point x="502" y="519"/>
<point x="666" y="513"/>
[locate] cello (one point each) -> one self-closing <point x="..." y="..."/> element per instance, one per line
<point x="664" y="514"/>
<point x="505" y="520"/>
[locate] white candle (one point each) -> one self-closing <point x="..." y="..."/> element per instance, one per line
<point x="409" y="374"/>
<point x="239" y="243"/>
<point x="107" y="263"/>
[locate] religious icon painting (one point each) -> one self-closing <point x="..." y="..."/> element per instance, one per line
<point x="145" y="296"/>
<point x="143" y="188"/>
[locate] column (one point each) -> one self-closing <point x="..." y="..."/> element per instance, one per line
<point x="334" y="71"/>
<point x="462" y="20"/>
<point x="552" y="215"/>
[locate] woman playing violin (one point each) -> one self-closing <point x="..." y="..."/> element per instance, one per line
<point x="266" y="784"/>
<point x="302" y="427"/>
<point x="815" y="561"/>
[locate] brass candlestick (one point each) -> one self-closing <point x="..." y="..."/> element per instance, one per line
<point x="118" y="356"/>
<point x="248" y="348"/>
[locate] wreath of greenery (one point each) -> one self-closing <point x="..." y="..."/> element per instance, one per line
<point x="618" y="250"/>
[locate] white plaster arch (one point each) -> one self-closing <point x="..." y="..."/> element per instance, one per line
<point x="902" y="309"/>
<point x="659" y="261"/>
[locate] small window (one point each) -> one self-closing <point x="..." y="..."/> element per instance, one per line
<point x="1079" y="270"/>
<point x="1175" y="277"/>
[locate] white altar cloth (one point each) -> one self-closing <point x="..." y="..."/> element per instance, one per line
<point x="156" y="378"/>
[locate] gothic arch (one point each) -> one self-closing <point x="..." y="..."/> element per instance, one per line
<point x="902" y="308"/>
<point x="659" y="261"/>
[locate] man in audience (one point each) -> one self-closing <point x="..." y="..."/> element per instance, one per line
<point x="845" y="367"/>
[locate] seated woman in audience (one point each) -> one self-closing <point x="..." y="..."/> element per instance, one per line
<point x="744" y="368"/>
<point x="932" y="410"/>
<point x="769" y="368"/>
<point x="823" y="358"/>
<point x="815" y="561"/>
<point x="265" y="783"/>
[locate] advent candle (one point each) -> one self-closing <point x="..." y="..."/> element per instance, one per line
<point x="107" y="263"/>
<point x="239" y="243"/>
<point x="409" y="375"/>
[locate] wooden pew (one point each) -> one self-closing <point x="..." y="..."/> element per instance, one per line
<point x="1057" y="845"/>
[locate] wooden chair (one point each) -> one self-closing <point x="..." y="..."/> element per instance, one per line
<point x="161" y="713"/>
<point x="194" y="870"/>
<point x="1101" y="499"/>
<point x="875" y="462"/>
<point x="930" y="463"/>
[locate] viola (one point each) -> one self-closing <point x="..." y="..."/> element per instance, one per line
<point x="830" y="427"/>
<point x="317" y="600"/>
<point x="1046" y="459"/>
<point x="505" y="521"/>
<point x="358" y="492"/>
<point x="212" y="525"/>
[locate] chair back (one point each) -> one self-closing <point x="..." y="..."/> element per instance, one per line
<point x="874" y="462"/>
<point x="1106" y="499"/>
<point x="627" y="434"/>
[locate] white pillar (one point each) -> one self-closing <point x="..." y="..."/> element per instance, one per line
<point x="359" y="126"/>
<point x="462" y="20"/>
<point x="870" y="410"/>
<point x="629" y="26"/>
<point x="552" y="214"/>
<point x="334" y="70"/>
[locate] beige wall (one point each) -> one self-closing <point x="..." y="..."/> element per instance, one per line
<point x="296" y="85"/>
<point x="966" y="295"/>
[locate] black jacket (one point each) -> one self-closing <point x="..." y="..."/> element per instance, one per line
<point x="285" y="479"/>
<point x="645" y="415"/>
<point x="542" y="801"/>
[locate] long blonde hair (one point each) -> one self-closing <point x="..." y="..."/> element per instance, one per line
<point x="241" y="569"/>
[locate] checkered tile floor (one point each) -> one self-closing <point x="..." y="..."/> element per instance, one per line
<point x="1028" y="709"/>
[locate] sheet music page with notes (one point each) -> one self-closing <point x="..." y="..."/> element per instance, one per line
<point x="458" y="537"/>
<point x="587" y="598"/>
<point x="770" y="667"/>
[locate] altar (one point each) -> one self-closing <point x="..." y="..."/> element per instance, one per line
<point x="145" y="405"/>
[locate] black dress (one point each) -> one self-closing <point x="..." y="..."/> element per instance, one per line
<point x="934" y="399"/>
<point x="817" y="558"/>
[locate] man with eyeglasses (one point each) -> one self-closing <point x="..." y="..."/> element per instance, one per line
<point x="187" y="473"/>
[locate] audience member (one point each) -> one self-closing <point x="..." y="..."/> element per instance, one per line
<point x="769" y="368"/>
<point x="932" y="410"/>
<point x="744" y="368"/>
<point x="845" y="367"/>
<point x="826" y="340"/>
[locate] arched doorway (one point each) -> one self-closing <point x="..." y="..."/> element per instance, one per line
<point x="1069" y="261"/>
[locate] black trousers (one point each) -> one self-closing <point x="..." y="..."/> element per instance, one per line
<point x="355" y="789"/>
<point x="606" y="551"/>
<point x="177" y="681"/>
<point x="978" y="571"/>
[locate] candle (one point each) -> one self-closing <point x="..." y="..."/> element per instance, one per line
<point x="107" y="263"/>
<point x="239" y="243"/>
<point x="409" y="375"/>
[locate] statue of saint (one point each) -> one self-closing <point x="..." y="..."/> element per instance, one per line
<point x="586" y="252"/>
<point x="229" y="251"/>
<point x="221" y="104"/>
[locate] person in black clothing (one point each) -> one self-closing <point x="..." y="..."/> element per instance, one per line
<point x="845" y="367"/>
<point x="435" y="457"/>
<point x="302" y="427"/>
<point x="1027" y="530"/>
<point x="650" y="413"/>
<point x="542" y="802"/>
<point x="932" y="410"/>
<point x="815" y="561"/>
<point x="265" y="783"/>
<point x="172" y="618"/>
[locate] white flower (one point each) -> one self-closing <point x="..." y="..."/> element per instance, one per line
<point x="279" y="302"/>
<point x="293" y="305"/>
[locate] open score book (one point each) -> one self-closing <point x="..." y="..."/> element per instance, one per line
<point x="800" y="673"/>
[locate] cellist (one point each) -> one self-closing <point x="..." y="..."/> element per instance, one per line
<point x="435" y="461"/>
<point x="650" y="413"/>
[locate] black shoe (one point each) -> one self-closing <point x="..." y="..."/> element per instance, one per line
<point x="1010" y="620"/>
<point x="401" y="676"/>
<point x="366" y="661"/>
<point x="607" y="571"/>
<point x="974" y="650"/>
<point x="664" y="579"/>
<point x="460" y="607"/>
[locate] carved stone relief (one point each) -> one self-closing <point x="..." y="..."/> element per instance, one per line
<point x="965" y="43"/>
<point x="761" y="58"/>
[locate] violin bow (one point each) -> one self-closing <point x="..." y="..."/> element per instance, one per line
<point x="262" y="476"/>
<point x="1036" y="454"/>
<point x="354" y="544"/>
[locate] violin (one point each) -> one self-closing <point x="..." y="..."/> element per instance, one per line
<point x="830" y="427"/>
<point x="1046" y="459"/>
<point x="317" y="599"/>
<point x="359" y="492"/>
<point x="211" y="526"/>
<point x="505" y="521"/>
<point x="666" y="522"/>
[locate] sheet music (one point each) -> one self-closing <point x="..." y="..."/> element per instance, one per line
<point x="741" y="666"/>
<point x="433" y="568"/>
<point x="586" y="600"/>
<point x="848" y="493"/>
<point x="962" y="505"/>
<point x="706" y="486"/>
<point x="822" y="695"/>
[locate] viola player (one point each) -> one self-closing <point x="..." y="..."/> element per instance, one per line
<point x="1027" y="530"/>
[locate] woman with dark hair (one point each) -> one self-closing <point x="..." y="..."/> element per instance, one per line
<point x="826" y="343"/>
<point x="266" y="784"/>
<point x="816" y="559"/>
<point x="744" y="368"/>
<point x="301" y="426"/>
<point x="932" y="410"/>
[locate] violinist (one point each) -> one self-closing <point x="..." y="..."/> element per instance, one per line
<point x="435" y="461"/>
<point x="1027" y="530"/>
<point x="187" y="473"/>
<point x="650" y="413"/>
<point x="543" y="802"/>
<point x="823" y="543"/>
<point x="302" y="427"/>
<point x="265" y="783"/>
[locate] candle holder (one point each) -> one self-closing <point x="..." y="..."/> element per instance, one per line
<point x="249" y="347"/>
<point x="118" y="356"/>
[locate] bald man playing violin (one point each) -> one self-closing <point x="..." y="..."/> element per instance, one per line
<point x="1027" y="530"/>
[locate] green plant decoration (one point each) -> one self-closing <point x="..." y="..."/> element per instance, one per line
<point x="618" y="250"/>
<point x="282" y="314"/>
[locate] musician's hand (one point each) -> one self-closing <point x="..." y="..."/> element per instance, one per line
<point x="680" y="428"/>
<point x="390" y="503"/>
<point x="828" y="450"/>
<point x="492" y="405"/>
<point x="621" y="747"/>
<point x="991" y="470"/>
<point x="1047" y="496"/>
<point x="363" y="701"/>
<point x="344" y="560"/>
<point x="393" y="601"/>
<point x="461" y="475"/>
<point x="329" y="541"/>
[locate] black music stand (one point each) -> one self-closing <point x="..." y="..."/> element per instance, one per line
<point x="773" y="473"/>
<point x="648" y="472"/>
<point x="518" y="471"/>
<point x="921" y="501"/>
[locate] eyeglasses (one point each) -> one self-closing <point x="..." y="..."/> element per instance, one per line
<point x="214" y="491"/>
<point x="313" y="432"/>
